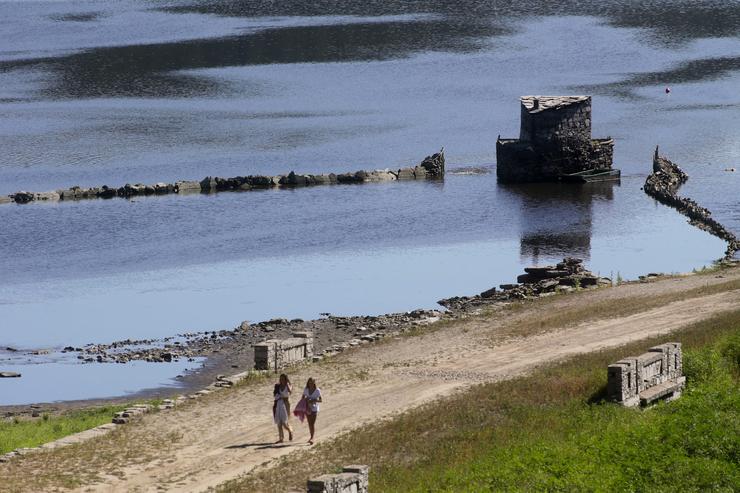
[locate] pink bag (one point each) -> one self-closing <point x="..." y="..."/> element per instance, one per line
<point x="301" y="409"/>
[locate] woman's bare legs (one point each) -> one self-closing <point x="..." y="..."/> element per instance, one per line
<point x="290" y="431"/>
<point x="280" y="433"/>
<point x="311" y="426"/>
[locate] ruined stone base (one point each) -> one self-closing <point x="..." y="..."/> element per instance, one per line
<point x="520" y="161"/>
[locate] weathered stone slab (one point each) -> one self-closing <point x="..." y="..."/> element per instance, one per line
<point x="406" y="174"/>
<point x="208" y="184"/>
<point x="184" y="187"/>
<point x="380" y="175"/>
<point x="352" y="479"/>
<point x="644" y="379"/>
<point x="274" y="354"/>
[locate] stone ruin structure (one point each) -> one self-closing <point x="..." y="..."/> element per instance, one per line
<point x="644" y="379"/>
<point x="274" y="354"/>
<point x="430" y="168"/>
<point x="663" y="184"/>
<point x="352" y="479"/>
<point x="554" y="139"/>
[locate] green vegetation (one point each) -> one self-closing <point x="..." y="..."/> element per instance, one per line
<point x="692" y="444"/>
<point x="553" y="431"/>
<point x="581" y="443"/>
<point x="17" y="433"/>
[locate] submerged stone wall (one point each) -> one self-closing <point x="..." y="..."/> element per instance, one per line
<point x="663" y="184"/>
<point x="431" y="167"/>
<point x="352" y="479"/>
<point x="554" y="139"/>
<point x="274" y="354"/>
<point x="644" y="379"/>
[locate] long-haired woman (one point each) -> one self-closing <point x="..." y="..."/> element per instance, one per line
<point x="312" y="394"/>
<point x="281" y="405"/>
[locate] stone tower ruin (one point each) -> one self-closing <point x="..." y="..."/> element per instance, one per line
<point x="554" y="139"/>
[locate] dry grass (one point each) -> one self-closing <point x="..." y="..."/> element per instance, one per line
<point x="552" y="313"/>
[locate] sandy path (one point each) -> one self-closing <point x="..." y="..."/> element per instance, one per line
<point x="229" y="434"/>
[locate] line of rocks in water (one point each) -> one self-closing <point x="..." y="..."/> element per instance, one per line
<point x="663" y="184"/>
<point x="431" y="167"/>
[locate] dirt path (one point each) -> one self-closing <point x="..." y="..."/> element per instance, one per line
<point x="222" y="440"/>
<point x="230" y="433"/>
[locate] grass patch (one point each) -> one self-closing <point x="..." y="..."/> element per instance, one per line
<point x="87" y="462"/>
<point x="18" y="432"/>
<point x="551" y="431"/>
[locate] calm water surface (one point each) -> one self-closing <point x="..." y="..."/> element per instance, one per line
<point x="112" y="92"/>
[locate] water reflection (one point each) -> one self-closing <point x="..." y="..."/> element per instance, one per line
<point x="151" y="70"/>
<point x="669" y="21"/>
<point x="556" y="219"/>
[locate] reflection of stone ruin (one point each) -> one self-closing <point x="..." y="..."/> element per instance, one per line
<point x="647" y="378"/>
<point x="554" y="139"/>
<point x="566" y="228"/>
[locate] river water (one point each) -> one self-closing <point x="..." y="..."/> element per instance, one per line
<point x="96" y="93"/>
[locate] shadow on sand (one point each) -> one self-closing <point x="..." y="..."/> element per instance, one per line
<point x="261" y="445"/>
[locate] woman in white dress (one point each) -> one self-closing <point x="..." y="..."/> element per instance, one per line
<point x="312" y="394"/>
<point x="281" y="404"/>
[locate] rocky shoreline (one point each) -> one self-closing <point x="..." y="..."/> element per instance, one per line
<point x="663" y="184"/>
<point x="431" y="167"/>
<point x="334" y="334"/>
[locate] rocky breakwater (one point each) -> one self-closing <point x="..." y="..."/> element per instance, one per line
<point x="564" y="277"/>
<point x="431" y="167"/>
<point x="663" y="184"/>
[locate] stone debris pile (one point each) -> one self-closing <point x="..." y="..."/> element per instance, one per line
<point x="663" y="184"/>
<point x="123" y="417"/>
<point x="431" y="167"/>
<point x="352" y="479"/>
<point x="565" y="276"/>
